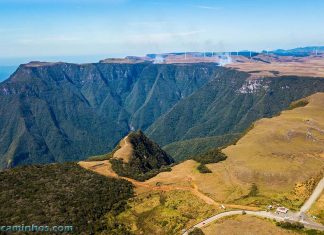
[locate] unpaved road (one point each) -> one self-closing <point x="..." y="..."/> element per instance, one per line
<point x="312" y="199"/>
<point x="263" y="214"/>
<point x="104" y="168"/>
<point x="294" y="217"/>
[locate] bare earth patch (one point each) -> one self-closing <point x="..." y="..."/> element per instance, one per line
<point x="126" y="150"/>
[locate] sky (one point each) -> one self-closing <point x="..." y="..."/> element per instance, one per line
<point x="76" y="30"/>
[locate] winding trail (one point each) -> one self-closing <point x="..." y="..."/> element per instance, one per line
<point x="104" y="168"/>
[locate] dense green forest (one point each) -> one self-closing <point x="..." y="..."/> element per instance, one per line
<point x="61" y="194"/>
<point x="66" y="112"/>
<point x="229" y="105"/>
<point x="182" y="150"/>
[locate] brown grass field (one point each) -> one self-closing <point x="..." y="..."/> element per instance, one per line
<point x="284" y="66"/>
<point x="244" y="225"/>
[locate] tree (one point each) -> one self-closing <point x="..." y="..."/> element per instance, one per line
<point x="253" y="190"/>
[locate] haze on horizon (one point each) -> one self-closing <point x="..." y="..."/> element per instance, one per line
<point x="63" y="29"/>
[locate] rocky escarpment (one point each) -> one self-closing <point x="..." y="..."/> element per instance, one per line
<point x="55" y="112"/>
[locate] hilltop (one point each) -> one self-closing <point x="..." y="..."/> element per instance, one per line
<point x="135" y="157"/>
<point x="138" y="157"/>
<point x="285" y="169"/>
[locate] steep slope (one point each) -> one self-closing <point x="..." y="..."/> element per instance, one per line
<point x="293" y="152"/>
<point x="229" y="105"/>
<point x="282" y="156"/>
<point x="138" y="157"/>
<point x="55" y="112"/>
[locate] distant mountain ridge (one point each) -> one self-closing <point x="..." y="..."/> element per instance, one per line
<point x="300" y="51"/>
<point x="58" y="112"/>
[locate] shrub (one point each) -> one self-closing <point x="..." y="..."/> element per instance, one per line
<point x="99" y="158"/>
<point x="298" y="103"/>
<point x="211" y="156"/>
<point x="253" y="190"/>
<point x="196" y="231"/>
<point x="289" y="225"/>
<point x="202" y="168"/>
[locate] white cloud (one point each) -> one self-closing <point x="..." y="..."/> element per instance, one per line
<point x="148" y="23"/>
<point x="208" y="7"/>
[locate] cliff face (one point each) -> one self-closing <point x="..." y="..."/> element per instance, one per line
<point x="56" y="112"/>
<point x="230" y="105"/>
<point x="53" y="112"/>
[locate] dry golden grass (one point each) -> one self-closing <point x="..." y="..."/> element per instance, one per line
<point x="165" y="213"/>
<point x="282" y="155"/>
<point x="317" y="209"/>
<point x="277" y="154"/>
<point x="244" y="225"/>
<point x="282" y="151"/>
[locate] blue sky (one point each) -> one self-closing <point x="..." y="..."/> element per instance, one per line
<point x="62" y="29"/>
